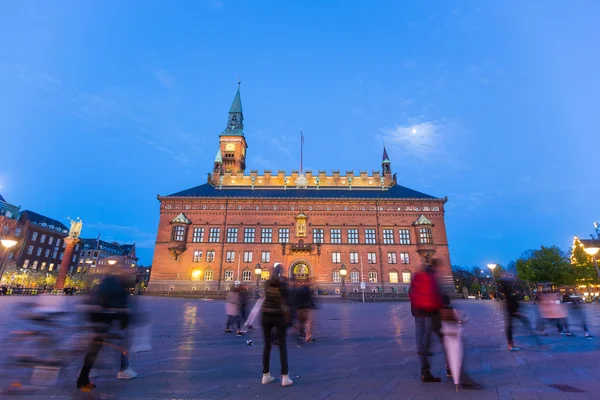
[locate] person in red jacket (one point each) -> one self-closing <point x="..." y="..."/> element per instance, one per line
<point x="425" y="303"/>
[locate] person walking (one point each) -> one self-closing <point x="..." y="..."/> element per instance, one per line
<point x="305" y="306"/>
<point x="513" y="312"/>
<point x="425" y="304"/>
<point x="275" y="316"/>
<point x="244" y="306"/>
<point x="577" y="311"/>
<point x="108" y="305"/>
<point x="232" y="309"/>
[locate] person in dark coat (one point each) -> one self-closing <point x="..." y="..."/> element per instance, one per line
<point x="275" y="316"/>
<point x="513" y="312"/>
<point x="304" y="305"/>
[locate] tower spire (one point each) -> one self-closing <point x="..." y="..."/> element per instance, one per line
<point x="235" y="121"/>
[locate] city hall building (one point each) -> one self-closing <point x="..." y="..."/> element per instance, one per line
<point x="214" y="235"/>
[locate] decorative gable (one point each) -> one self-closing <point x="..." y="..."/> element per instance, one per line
<point x="422" y="220"/>
<point x="181" y="219"/>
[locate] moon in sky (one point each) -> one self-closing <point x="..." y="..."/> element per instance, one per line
<point x="414" y="130"/>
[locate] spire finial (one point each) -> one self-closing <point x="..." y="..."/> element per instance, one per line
<point x="239" y="82"/>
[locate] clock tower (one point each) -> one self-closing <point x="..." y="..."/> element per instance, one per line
<point x="231" y="156"/>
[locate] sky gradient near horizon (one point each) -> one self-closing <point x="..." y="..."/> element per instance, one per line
<point x="104" y="105"/>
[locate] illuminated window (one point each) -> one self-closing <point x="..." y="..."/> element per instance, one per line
<point x="265" y="275"/>
<point x="35" y="264"/>
<point x="353" y="236"/>
<point x="404" y="258"/>
<point x="247" y="275"/>
<point x="371" y="258"/>
<point x="336" y="236"/>
<point x="406" y="276"/>
<point x="232" y="234"/>
<point x="43" y="267"/>
<point x="25" y="263"/>
<point x="228" y="275"/>
<point x="318" y="235"/>
<point x="51" y="267"/>
<point x="197" y="255"/>
<point x="198" y="235"/>
<point x="337" y="277"/>
<point x="196" y="275"/>
<point x="393" y="277"/>
<point x="388" y="236"/>
<point x="404" y="236"/>
<point x="249" y="234"/>
<point x="267" y="235"/>
<point x="178" y="234"/>
<point x="354" y="276"/>
<point x="336" y="258"/>
<point x="425" y="235"/>
<point x="370" y="236"/>
<point x="208" y="275"/>
<point x="373" y="276"/>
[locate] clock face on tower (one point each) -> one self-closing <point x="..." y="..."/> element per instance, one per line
<point x="230" y="147"/>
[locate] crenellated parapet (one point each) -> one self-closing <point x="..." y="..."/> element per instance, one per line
<point x="320" y="179"/>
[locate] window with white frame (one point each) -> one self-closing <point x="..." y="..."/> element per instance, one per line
<point x="425" y="235"/>
<point x="230" y="256"/>
<point x="197" y="256"/>
<point x="406" y="276"/>
<point x="370" y="236"/>
<point x="198" y="235"/>
<point x="354" y="276"/>
<point x="43" y="239"/>
<point x="228" y="275"/>
<point x="265" y="257"/>
<point x="371" y="258"/>
<point x="373" y="276"/>
<point x="266" y="235"/>
<point x="353" y="236"/>
<point x="247" y="256"/>
<point x="34" y="236"/>
<point x="210" y="256"/>
<point x="393" y="277"/>
<point x="318" y="235"/>
<point x="404" y="258"/>
<point x="391" y="258"/>
<point x="284" y="235"/>
<point x="247" y="275"/>
<point x="232" y="234"/>
<point x="249" y="235"/>
<point x="336" y="258"/>
<point x="336" y="236"/>
<point x="353" y="258"/>
<point x="214" y="235"/>
<point x="388" y="236"/>
<point x="404" y="236"/>
<point x="337" y="277"/>
<point x="177" y="234"/>
<point x="25" y="263"/>
<point x="208" y="274"/>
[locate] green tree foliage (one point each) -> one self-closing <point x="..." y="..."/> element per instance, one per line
<point x="547" y="264"/>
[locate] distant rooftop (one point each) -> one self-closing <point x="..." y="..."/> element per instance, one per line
<point x="44" y="221"/>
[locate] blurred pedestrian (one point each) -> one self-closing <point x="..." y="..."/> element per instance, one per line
<point x="305" y="306"/>
<point x="513" y="312"/>
<point x="276" y="316"/>
<point x="232" y="309"/>
<point x="552" y="310"/>
<point x="425" y="302"/>
<point x="578" y="312"/>
<point x="244" y="306"/>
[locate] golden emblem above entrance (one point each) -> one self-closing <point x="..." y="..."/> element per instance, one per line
<point x="301" y="225"/>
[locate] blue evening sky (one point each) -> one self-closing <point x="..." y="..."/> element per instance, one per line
<point x="105" y="104"/>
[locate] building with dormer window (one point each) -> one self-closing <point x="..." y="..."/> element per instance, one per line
<point x="213" y="235"/>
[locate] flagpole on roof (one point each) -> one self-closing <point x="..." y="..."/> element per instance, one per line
<point x="301" y="150"/>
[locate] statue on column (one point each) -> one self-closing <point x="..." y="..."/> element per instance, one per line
<point x="76" y="226"/>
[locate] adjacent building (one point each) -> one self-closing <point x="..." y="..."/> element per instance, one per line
<point x="317" y="224"/>
<point x="93" y="256"/>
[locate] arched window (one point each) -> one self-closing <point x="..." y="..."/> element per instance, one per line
<point x="208" y="274"/>
<point x="355" y="276"/>
<point x="393" y="276"/>
<point x="265" y="275"/>
<point x="425" y="236"/>
<point x="228" y="275"/>
<point x="336" y="276"/>
<point x="196" y="275"/>
<point x="247" y="275"/>
<point x="373" y="276"/>
<point x="406" y="276"/>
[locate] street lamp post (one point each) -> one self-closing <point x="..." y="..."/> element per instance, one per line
<point x="258" y="272"/>
<point x="492" y="267"/>
<point x="343" y="273"/>
<point x="593" y="251"/>
<point x="7" y="244"/>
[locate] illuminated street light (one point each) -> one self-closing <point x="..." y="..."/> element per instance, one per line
<point x="343" y="273"/>
<point x="112" y="262"/>
<point x="258" y="273"/>
<point x="492" y="267"/>
<point x="592" y="251"/>
<point x="7" y="244"/>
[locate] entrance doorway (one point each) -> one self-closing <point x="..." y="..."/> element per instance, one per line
<point x="301" y="272"/>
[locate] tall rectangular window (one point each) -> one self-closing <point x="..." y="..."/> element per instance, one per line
<point x="25" y="263"/>
<point x="198" y="236"/>
<point x="214" y="235"/>
<point x="178" y="234"/>
<point x="265" y="257"/>
<point x="34" y="236"/>
<point x="336" y="258"/>
<point x="35" y="264"/>
<point x="425" y="235"/>
<point x="371" y="258"/>
<point x="197" y="256"/>
<point x="43" y="239"/>
<point x="47" y="253"/>
<point x="388" y="236"/>
<point x="55" y="253"/>
<point x="393" y="277"/>
<point x="266" y="235"/>
<point x="373" y="276"/>
<point x="247" y="256"/>
<point x="337" y="277"/>
<point x="60" y="257"/>
<point x="354" y="277"/>
<point x="230" y="257"/>
<point x="249" y="235"/>
<point x="30" y="250"/>
<point x="353" y="236"/>
<point x="247" y="276"/>
<point x="353" y="258"/>
<point x="50" y="240"/>
<point x="406" y="277"/>
<point x="208" y="275"/>
<point x="404" y="259"/>
<point x="210" y="256"/>
<point x="404" y="236"/>
<point x="284" y="235"/>
<point x="228" y="275"/>
<point x="318" y="235"/>
<point x="370" y="236"/>
<point x="38" y="252"/>
<point x="232" y="234"/>
<point x="391" y="258"/>
<point x="336" y="236"/>
<point x="17" y="232"/>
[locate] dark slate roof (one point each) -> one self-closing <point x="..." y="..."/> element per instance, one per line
<point x="127" y="248"/>
<point x="39" y="219"/>
<point x="395" y="192"/>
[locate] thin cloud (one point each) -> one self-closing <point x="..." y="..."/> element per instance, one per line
<point x="164" y="78"/>
<point x="420" y="140"/>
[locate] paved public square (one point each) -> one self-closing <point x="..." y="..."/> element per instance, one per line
<point x="363" y="351"/>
